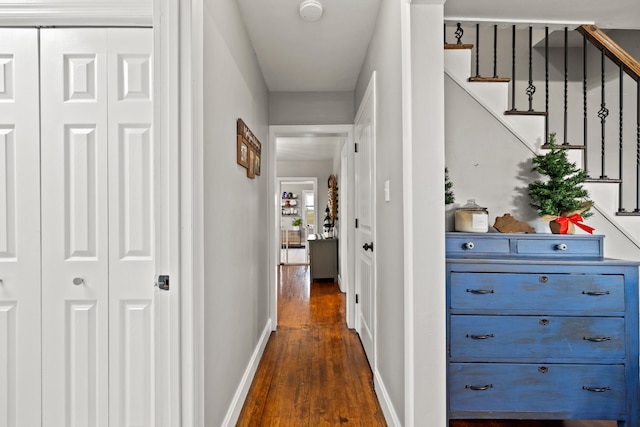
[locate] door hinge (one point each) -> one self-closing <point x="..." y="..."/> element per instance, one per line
<point x="356" y="146"/>
<point x="163" y="283"/>
<point x="357" y="299"/>
<point x="356" y="222"/>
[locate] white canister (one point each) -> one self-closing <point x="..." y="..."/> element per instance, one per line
<point x="472" y="218"/>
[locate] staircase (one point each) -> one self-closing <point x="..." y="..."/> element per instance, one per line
<point x="489" y="142"/>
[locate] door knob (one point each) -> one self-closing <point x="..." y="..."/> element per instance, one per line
<point x="78" y="281"/>
<point x="368" y="246"/>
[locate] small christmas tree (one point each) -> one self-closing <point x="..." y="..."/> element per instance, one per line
<point x="449" y="197"/>
<point x="561" y="194"/>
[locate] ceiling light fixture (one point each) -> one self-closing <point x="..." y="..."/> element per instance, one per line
<point x="311" y="10"/>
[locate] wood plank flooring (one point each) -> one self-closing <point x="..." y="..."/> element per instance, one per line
<point x="314" y="371"/>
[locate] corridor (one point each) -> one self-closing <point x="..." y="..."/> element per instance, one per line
<point x="313" y="371"/>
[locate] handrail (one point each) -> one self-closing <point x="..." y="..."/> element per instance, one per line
<point x="602" y="41"/>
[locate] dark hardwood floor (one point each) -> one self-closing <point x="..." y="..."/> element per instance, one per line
<point x="314" y="371"/>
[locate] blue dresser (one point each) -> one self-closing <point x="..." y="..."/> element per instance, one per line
<point x="540" y="326"/>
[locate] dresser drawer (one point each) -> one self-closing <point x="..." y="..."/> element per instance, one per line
<point x="561" y="245"/>
<point x="470" y="244"/>
<point x="571" y="391"/>
<point x="475" y="337"/>
<point x="527" y="291"/>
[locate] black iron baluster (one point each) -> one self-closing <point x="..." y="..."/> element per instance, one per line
<point x="495" y="51"/>
<point x="513" y="68"/>
<point x="546" y="82"/>
<point x="637" y="209"/>
<point x="566" y="83"/>
<point x="477" y="50"/>
<point x="620" y="208"/>
<point x="531" y="89"/>
<point x="602" y="115"/>
<point x="459" y="33"/>
<point x="584" y="102"/>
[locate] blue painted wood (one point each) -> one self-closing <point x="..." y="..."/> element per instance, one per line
<point x="535" y="291"/>
<point x="524" y="245"/>
<point x="515" y="312"/>
<point x="539" y="388"/>
<point x="536" y="337"/>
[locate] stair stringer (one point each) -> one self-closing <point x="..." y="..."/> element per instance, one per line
<point x="621" y="243"/>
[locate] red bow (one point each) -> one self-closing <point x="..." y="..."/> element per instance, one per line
<point x="575" y="219"/>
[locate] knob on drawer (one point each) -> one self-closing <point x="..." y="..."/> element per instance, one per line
<point x="561" y="247"/>
<point x="468" y="245"/>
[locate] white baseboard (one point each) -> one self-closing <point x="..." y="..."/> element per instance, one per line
<point x="385" y="402"/>
<point x="233" y="412"/>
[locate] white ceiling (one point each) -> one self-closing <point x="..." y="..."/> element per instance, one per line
<point x="296" y="55"/>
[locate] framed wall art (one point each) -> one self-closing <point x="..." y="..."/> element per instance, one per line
<point x="249" y="149"/>
<point x="243" y="153"/>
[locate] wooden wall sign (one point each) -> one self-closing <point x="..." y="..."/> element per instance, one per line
<point x="249" y="149"/>
<point x="332" y="203"/>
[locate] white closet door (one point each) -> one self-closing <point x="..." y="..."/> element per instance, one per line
<point x="132" y="155"/>
<point x="75" y="267"/>
<point x="19" y="229"/>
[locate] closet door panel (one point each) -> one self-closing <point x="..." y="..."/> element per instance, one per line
<point x="132" y="159"/>
<point x="19" y="230"/>
<point x="75" y="228"/>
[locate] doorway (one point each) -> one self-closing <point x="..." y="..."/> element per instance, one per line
<point x="297" y="218"/>
<point x="307" y="147"/>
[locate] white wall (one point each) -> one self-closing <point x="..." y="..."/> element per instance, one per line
<point x="236" y="291"/>
<point x="311" y="108"/>
<point x="384" y="57"/>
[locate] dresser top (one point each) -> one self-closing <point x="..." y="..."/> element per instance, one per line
<point x="521" y="246"/>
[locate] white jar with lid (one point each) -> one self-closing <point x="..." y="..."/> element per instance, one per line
<point x="472" y="218"/>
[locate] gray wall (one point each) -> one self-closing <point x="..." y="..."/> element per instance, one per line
<point x="384" y="57"/>
<point x="236" y="291"/>
<point x="311" y="108"/>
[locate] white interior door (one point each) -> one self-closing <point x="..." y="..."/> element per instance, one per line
<point x="19" y="229"/>
<point x="365" y="273"/>
<point x="132" y="156"/>
<point x="75" y="228"/>
<point x="98" y="227"/>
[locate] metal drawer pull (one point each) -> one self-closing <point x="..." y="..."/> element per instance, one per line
<point x="480" y="291"/>
<point x="480" y="337"/>
<point x="544" y="279"/>
<point x="597" y="339"/>
<point x="561" y="247"/>
<point x="596" y="389"/>
<point x="468" y="245"/>
<point x="595" y="293"/>
<point x="479" y="387"/>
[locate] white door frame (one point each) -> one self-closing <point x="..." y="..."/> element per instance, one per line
<point x="187" y="30"/>
<point x="276" y="132"/>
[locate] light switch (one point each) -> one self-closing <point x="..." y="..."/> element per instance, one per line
<point x="387" y="192"/>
